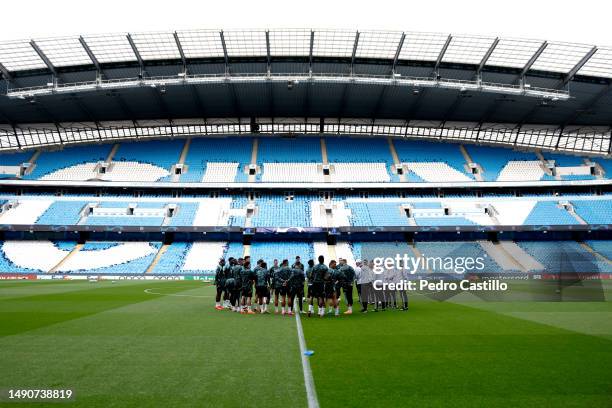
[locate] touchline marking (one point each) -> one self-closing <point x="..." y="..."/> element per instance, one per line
<point x="174" y="294"/>
<point x="311" y="392"/>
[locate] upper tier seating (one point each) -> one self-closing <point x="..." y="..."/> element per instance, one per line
<point x="433" y="162"/>
<point x="294" y="150"/>
<point x="160" y="153"/>
<point x="358" y="150"/>
<point x="292" y="172"/>
<point x="526" y="170"/>
<point x="220" y="172"/>
<point x="216" y="150"/>
<point x="10" y="163"/>
<point x="58" y="165"/>
<point x="359" y="172"/>
<point x="225" y="160"/>
<point x="493" y="159"/>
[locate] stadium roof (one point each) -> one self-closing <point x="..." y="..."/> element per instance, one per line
<point x="302" y="73"/>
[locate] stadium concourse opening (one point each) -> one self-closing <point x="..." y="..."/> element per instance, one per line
<point x="273" y="172"/>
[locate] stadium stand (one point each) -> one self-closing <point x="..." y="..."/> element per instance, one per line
<point x="594" y="212"/>
<point x="217" y="150"/>
<point x="278" y="212"/>
<point x="289" y="150"/>
<point x="160" y="153"/>
<point x="457" y="250"/>
<point x="549" y="213"/>
<point x="202" y="257"/>
<point x="71" y="163"/>
<point x="565" y="256"/>
<point x="281" y="250"/>
<point x="432" y="162"/>
<point x="171" y="262"/>
<point x="62" y="213"/>
<point x="493" y="161"/>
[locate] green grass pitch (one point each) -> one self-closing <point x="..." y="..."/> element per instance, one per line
<point x="116" y="345"/>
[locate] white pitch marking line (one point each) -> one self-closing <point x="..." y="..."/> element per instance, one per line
<point x="311" y="392"/>
<point x="173" y="294"/>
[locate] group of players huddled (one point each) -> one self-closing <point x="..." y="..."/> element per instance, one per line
<point x="236" y="279"/>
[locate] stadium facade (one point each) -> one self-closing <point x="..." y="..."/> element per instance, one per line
<point x="157" y="153"/>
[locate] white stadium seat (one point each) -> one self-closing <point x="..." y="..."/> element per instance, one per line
<point x="523" y="170"/>
<point x="220" y="172"/>
<point x="26" y="212"/>
<point x="203" y="256"/>
<point x="359" y="172"/>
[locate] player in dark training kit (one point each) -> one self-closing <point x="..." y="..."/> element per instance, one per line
<point x="219" y="283"/>
<point x="309" y="286"/>
<point x="247" y="278"/>
<point x="272" y="272"/>
<point x="262" y="285"/>
<point x="236" y="275"/>
<point x="319" y="272"/>
<point x="296" y="287"/>
<point x="348" y="277"/>
<point x="331" y="287"/>
<point x="281" y="283"/>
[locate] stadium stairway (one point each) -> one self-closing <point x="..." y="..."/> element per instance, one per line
<point x="520" y="256"/>
<point x="112" y="153"/>
<point x="396" y="159"/>
<point x="157" y="257"/>
<point x="181" y="160"/>
<point x="544" y="163"/>
<point x="501" y="256"/>
<point x="325" y="159"/>
<point x="597" y="254"/>
<point x="468" y="160"/>
<point x="74" y="250"/>
<point x="253" y="177"/>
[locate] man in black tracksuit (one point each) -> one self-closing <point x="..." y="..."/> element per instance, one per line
<point x="219" y="283"/>
<point x="348" y="277"/>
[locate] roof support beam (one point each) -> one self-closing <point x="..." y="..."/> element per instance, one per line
<point x="181" y="52"/>
<point x="486" y="57"/>
<point x="136" y="53"/>
<point x="312" y="34"/>
<point x="90" y="54"/>
<point x="43" y="57"/>
<point x="355" y="45"/>
<point x="531" y="61"/>
<point x="268" y="59"/>
<point x="580" y="64"/>
<point x="441" y="55"/>
<point x="225" y="56"/>
<point x="397" y="52"/>
<point x="5" y="73"/>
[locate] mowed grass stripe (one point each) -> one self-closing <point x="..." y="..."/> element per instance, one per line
<point x="23" y="313"/>
<point x="445" y="354"/>
<point x="168" y="351"/>
<point x="16" y="289"/>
